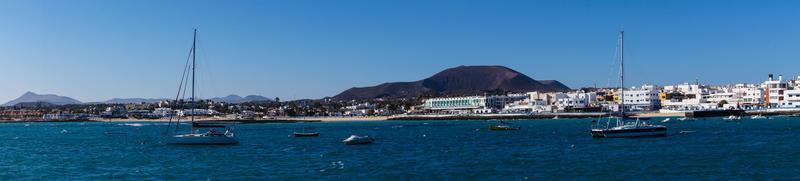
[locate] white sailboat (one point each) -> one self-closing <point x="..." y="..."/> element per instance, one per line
<point x="201" y="133"/>
<point x="624" y="129"/>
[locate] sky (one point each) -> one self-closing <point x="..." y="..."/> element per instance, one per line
<point x="294" y="49"/>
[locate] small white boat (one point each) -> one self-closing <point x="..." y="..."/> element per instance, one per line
<point x="684" y="119"/>
<point x="358" y="140"/>
<point x="732" y="117"/>
<point x="758" y="117"/>
<point x="666" y="120"/>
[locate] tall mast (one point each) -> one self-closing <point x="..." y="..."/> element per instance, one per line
<point x="621" y="70"/>
<point x="194" y="52"/>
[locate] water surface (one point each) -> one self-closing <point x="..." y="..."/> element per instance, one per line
<point x="542" y="149"/>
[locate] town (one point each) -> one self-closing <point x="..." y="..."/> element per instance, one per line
<point x="774" y="94"/>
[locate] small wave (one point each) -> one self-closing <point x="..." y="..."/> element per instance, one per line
<point x="131" y="124"/>
<point x="337" y="165"/>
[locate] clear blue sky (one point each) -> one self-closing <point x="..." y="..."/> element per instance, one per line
<point x="96" y="50"/>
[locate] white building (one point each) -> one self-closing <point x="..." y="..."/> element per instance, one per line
<point x="644" y="98"/>
<point x="575" y="100"/>
<point x="472" y="104"/>
<point x="163" y="112"/>
<point x="684" y="97"/>
<point x="197" y="112"/>
<point x="750" y="95"/>
<point x="774" y="90"/>
<point x="791" y="99"/>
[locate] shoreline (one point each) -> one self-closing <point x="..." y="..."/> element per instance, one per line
<point x="541" y="116"/>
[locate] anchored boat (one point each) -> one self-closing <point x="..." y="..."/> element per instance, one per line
<point x="503" y="126"/>
<point x="201" y="133"/>
<point x="304" y="133"/>
<point x="622" y="129"/>
<point x="358" y="140"/>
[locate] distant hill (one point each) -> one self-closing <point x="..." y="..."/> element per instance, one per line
<point x="132" y="100"/>
<point x="238" y="99"/>
<point x="462" y="80"/>
<point x="42" y="99"/>
<point x="30" y="105"/>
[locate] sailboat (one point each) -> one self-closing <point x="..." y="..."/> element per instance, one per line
<point x="623" y="129"/>
<point x="201" y="133"/>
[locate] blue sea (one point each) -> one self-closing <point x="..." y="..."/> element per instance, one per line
<point x="405" y="150"/>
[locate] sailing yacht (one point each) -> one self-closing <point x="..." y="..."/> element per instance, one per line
<point x="623" y="129"/>
<point x="201" y="133"/>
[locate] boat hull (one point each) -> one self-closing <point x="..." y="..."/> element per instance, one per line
<point x="360" y="142"/>
<point x="306" y="134"/>
<point x="195" y="139"/>
<point x="355" y="140"/>
<point x="629" y="133"/>
<point x="503" y="128"/>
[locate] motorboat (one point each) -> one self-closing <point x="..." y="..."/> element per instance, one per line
<point x="732" y="118"/>
<point x="358" y="140"/>
<point x="503" y="128"/>
<point x="666" y="120"/>
<point x="758" y="117"/>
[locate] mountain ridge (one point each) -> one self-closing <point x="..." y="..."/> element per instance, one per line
<point x="31" y="97"/>
<point x="461" y="80"/>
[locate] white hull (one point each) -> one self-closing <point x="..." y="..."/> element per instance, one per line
<point x="202" y="139"/>
<point x="358" y="140"/>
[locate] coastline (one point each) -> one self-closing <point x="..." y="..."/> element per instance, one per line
<point x="541" y="116"/>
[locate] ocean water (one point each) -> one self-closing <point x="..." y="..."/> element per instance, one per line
<point x="405" y="150"/>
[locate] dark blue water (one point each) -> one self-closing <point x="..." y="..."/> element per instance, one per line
<point x="542" y="149"/>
